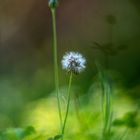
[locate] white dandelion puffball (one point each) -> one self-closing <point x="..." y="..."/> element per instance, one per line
<point x="73" y="62"/>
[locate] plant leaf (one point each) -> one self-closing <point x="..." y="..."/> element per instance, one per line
<point x="57" y="137"/>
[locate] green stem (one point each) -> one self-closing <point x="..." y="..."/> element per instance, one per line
<point x="105" y="103"/>
<point x="56" y="75"/>
<point x="68" y="104"/>
<point x="108" y="117"/>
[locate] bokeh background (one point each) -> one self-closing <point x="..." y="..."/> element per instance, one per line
<point x="106" y="31"/>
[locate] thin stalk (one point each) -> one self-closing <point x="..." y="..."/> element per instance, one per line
<point x="111" y="28"/>
<point x="56" y="75"/>
<point x="68" y="104"/>
<point x="101" y="78"/>
<point x="105" y="103"/>
<point x="107" y="112"/>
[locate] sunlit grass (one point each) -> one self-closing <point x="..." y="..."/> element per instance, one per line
<point x="42" y="115"/>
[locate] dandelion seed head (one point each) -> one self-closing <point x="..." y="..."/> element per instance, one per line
<point x="73" y="62"/>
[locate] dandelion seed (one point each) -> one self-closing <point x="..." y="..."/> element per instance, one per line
<point x="73" y="62"/>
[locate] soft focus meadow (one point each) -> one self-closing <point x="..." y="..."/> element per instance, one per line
<point x="69" y="70"/>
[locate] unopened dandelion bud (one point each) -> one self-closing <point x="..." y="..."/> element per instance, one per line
<point x="73" y="62"/>
<point x="53" y="4"/>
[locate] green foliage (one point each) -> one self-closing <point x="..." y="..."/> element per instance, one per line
<point x="17" y="133"/>
<point x="28" y="133"/>
<point x="128" y="120"/>
<point x="57" y="137"/>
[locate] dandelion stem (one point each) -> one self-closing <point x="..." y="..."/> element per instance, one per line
<point x="56" y="75"/>
<point x="68" y="104"/>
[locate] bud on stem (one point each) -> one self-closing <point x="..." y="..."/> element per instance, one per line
<point x="53" y="4"/>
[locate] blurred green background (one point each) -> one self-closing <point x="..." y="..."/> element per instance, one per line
<point x="104" y="31"/>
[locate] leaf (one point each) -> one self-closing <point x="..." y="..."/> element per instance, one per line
<point x="122" y="47"/>
<point x="107" y="48"/>
<point x="10" y="134"/>
<point x="130" y="119"/>
<point x="118" y="122"/>
<point x="50" y="138"/>
<point x="57" y="137"/>
<point x="29" y="130"/>
<point x="24" y="132"/>
<point x="16" y="133"/>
